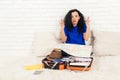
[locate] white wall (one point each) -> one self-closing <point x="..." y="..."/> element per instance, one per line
<point x="20" y="19"/>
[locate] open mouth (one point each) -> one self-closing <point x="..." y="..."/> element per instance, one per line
<point x="74" y="21"/>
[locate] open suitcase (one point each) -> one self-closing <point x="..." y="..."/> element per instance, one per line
<point x="68" y="62"/>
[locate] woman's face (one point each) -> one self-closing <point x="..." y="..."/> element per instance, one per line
<point x="75" y="18"/>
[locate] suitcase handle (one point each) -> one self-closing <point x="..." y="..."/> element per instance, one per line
<point x="53" y="66"/>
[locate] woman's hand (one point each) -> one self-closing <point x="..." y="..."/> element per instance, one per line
<point x="62" y="33"/>
<point x="88" y="22"/>
<point x="62" y="24"/>
<point x="87" y="33"/>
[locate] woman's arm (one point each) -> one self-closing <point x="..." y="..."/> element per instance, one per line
<point x="62" y="33"/>
<point x="87" y="33"/>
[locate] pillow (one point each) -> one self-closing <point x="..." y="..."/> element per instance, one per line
<point x="106" y="43"/>
<point x="44" y="42"/>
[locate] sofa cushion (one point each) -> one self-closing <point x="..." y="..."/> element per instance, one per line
<point x="44" y="42"/>
<point x="106" y="43"/>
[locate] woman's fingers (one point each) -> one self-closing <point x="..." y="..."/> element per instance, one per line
<point x="88" y="19"/>
<point x="62" y="23"/>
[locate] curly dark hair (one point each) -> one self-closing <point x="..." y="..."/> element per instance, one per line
<point x="68" y="21"/>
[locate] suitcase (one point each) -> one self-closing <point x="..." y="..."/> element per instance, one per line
<point x="84" y="64"/>
<point x="56" y="64"/>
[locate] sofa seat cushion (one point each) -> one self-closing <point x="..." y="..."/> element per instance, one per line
<point x="106" y="43"/>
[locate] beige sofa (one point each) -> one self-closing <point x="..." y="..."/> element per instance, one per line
<point x="106" y="64"/>
<point x="105" y="43"/>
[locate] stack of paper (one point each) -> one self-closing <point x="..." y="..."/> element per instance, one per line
<point x="80" y="61"/>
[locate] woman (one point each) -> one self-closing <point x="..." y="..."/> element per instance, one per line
<point x="74" y="29"/>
